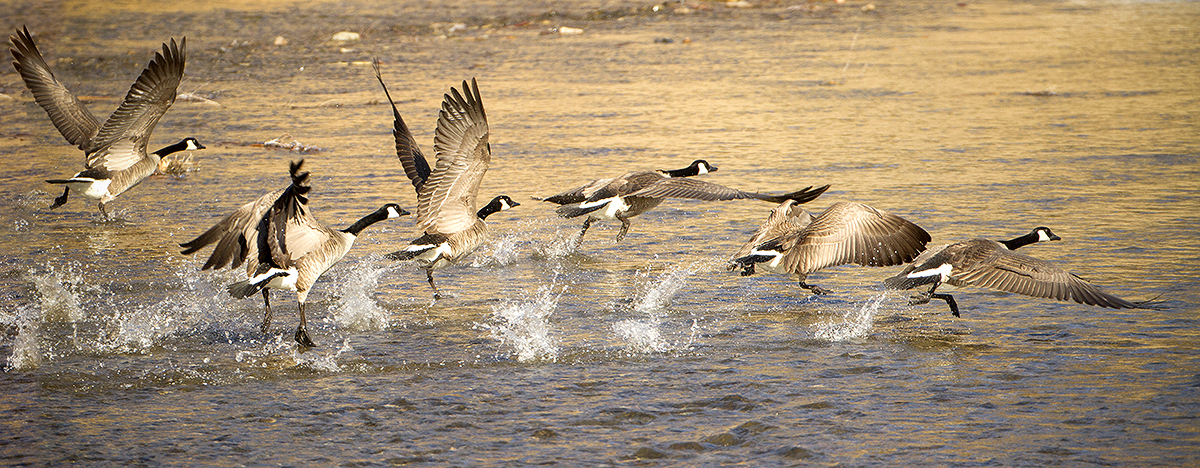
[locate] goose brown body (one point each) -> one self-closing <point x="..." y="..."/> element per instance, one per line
<point x="633" y="193"/>
<point x="791" y="241"/>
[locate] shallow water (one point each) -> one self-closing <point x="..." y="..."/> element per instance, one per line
<point x="985" y="119"/>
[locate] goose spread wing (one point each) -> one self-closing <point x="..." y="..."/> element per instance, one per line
<point x="146" y="102"/>
<point x="70" y="116"/>
<point x="236" y="236"/>
<point x="786" y="217"/>
<point x="696" y="189"/>
<point x="579" y="194"/>
<point x="848" y="232"/>
<point x="292" y="231"/>
<point x="446" y="203"/>
<point x="1012" y="272"/>
<point x="411" y="159"/>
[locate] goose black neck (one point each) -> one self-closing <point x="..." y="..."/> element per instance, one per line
<point x="488" y="209"/>
<point x="689" y="171"/>
<point x="358" y="226"/>
<point x="1018" y="242"/>
<point x="175" y="148"/>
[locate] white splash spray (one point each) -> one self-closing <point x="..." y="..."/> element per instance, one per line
<point x="137" y="327"/>
<point x="26" y="352"/>
<point x="59" y="303"/>
<point x="645" y="335"/>
<point x="855" y="324"/>
<point x="525" y="325"/>
<point x="356" y="309"/>
<point x="500" y="251"/>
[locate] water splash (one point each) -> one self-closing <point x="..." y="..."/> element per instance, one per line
<point x="646" y="335"/>
<point x="320" y="361"/>
<point x="658" y="295"/>
<point x="138" y="327"/>
<point x="356" y="308"/>
<point x="58" y="301"/>
<point x="525" y="326"/>
<point x="642" y="336"/>
<point x="559" y="246"/>
<point x="26" y="352"/>
<point x="500" y="251"/>
<point x="855" y="324"/>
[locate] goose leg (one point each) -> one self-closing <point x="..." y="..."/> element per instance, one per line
<point x="302" y="331"/>
<point x="429" y="276"/>
<point x="266" y="325"/>
<point x="815" y="289"/>
<point x="949" y="301"/>
<point x="624" y="226"/>
<point x="103" y="211"/>
<point x="62" y="200"/>
<point x="587" y="223"/>
<point x="925" y="297"/>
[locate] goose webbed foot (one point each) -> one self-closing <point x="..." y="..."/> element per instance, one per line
<point x="949" y="301"/>
<point x="815" y="289"/>
<point x="748" y="269"/>
<point x="62" y="199"/>
<point x="303" y="339"/>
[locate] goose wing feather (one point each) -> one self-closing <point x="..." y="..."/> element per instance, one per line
<point x="581" y="193"/>
<point x="236" y="236"/>
<point x="70" y="116"/>
<point x="446" y="203"/>
<point x="292" y="231"/>
<point x="416" y="167"/>
<point x="848" y="232"/>
<point x="148" y="99"/>
<point x="1001" y="269"/>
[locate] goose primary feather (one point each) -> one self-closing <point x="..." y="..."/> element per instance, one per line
<point x="282" y="245"/>
<point x="993" y="264"/>
<point x="791" y="241"/>
<point x="115" y="152"/>
<point x="446" y="193"/>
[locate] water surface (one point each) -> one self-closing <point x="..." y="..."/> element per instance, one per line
<point x="985" y="119"/>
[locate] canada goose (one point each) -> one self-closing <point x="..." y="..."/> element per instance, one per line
<point x="446" y="195"/>
<point x="634" y="193"/>
<point x="793" y="242"/>
<point x="282" y="244"/>
<point x="116" y="158"/>
<point x="991" y="264"/>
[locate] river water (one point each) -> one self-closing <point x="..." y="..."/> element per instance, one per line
<point x="976" y="119"/>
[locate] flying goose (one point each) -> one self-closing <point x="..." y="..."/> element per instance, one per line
<point x="446" y="194"/>
<point x="282" y="245"/>
<point x="991" y="264"/>
<point x="634" y="193"/>
<point x="791" y="241"/>
<point x="116" y="158"/>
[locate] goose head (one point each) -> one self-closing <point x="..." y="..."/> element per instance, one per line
<point x="1038" y="234"/>
<point x="698" y="167"/>
<point x="500" y="203"/>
